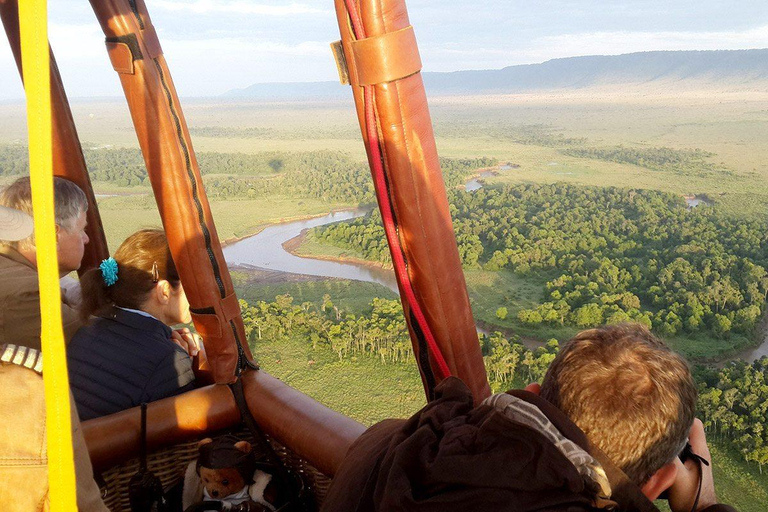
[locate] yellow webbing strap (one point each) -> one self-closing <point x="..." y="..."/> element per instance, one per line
<point x="33" y="27"/>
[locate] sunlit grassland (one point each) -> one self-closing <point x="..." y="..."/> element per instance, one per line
<point x="314" y="248"/>
<point x="349" y="296"/>
<point x="732" y="126"/>
<point x="359" y="387"/>
<point x="123" y="215"/>
<point x="737" y="482"/>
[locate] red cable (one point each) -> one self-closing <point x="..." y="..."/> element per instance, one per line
<point x="387" y="216"/>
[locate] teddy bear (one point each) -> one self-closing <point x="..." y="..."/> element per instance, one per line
<point x="226" y="471"/>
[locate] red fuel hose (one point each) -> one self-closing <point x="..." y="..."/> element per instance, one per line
<point x="387" y="216"/>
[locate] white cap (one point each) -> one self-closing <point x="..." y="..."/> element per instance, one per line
<point x="14" y="225"/>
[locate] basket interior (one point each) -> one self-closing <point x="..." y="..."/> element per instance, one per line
<point x="170" y="463"/>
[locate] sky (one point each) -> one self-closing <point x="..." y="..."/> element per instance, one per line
<point x="213" y="46"/>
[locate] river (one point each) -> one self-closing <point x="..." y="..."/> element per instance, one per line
<point x="265" y="250"/>
<point x="477" y="183"/>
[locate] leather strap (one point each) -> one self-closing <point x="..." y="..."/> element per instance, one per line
<point x="386" y="58"/>
<point x="341" y="62"/>
<point x="688" y="454"/>
<point x="122" y="53"/>
<point x="284" y="479"/>
<point x="230" y="306"/>
<point x="121" y="57"/>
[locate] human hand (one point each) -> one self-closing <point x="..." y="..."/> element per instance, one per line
<point x="187" y="340"/>
<point x="682" y="494"/>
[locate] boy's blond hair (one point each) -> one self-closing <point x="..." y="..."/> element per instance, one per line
<point x="631" y="395"/>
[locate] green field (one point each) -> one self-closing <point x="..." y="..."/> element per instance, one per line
<point x="359" y="388"/>
<point x="122" y="215"/>
<point x="349" y="296"/>
<point x="531" y="131"/>
<point x="732" y="126"/>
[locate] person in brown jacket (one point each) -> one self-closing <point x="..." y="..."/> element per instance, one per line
<point x="604" y="431"/>
<point x="19" y="289"/>
<point x="23" y="451"/>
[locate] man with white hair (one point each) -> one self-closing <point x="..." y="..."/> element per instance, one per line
<point x="19" y="288"/>
<point x="23" y="460"/>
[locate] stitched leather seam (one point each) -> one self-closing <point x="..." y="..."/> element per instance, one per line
<point x="192" y="181"/>
<point x="200" y="213"/>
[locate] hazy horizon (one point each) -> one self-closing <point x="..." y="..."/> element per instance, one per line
<point x="226" y="96"/>
<point x="239" y="43"/>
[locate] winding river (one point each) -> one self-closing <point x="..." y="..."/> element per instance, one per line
<point x="265" y="250"/>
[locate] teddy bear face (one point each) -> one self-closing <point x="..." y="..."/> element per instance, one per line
<point x="220" y="483"/>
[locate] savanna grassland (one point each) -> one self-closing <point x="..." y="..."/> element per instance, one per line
<point x="269" y="162"/>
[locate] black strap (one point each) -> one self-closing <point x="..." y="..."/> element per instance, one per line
<point x="423" y="359"/>
<point x="688" y="454"/>
<point x="284" y="478"/>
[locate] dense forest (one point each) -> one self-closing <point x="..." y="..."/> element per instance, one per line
<point x="685" y="162"/>
<point x="381" y="333"/>
<point x="328" y="175"/>
<point x="733" y="401"/>
<point x="610" y="255"/>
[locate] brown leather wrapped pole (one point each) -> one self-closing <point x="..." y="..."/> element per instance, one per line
<point x="387" y="60"/>
<point x="135" y="52"/>
<point x="68" y="161"/>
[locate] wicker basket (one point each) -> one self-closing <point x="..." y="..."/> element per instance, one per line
<point x="169" y="464"/>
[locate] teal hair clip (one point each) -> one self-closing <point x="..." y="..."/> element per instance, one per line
<point x="108" y="269"/>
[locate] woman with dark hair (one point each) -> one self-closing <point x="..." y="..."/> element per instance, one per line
<point x="129" y="354"/>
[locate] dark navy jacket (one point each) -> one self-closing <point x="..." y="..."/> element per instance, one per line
<point x="123" y="359"/>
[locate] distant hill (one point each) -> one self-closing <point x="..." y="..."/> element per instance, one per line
<point x="742" y="69"/>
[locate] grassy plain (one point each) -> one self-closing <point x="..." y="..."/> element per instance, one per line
<point x="731" y="126"/>
<point x="359" y="387"/>
<point x="124" y="214"/>
<point x="350" y="296"/>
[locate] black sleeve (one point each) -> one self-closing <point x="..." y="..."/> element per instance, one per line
<point x="172" y="375"/>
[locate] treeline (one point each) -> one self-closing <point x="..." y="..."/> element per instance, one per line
<point x="506" y="131"/>
<point x="733" y="403"/>
<point x="382" y="334"/>
<point x="332" y="176"/>
<point x="686" y="162"/>
<point x="329" y="175"/>
<point x="612" y="255"/>
<point x="227" y="132"/>
<point x="294" y="133"/>
<point x="14" y="160"/>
